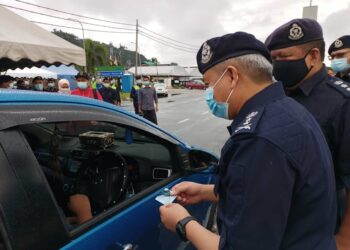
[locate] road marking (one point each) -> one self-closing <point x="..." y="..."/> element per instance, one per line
<point x="206" y="112"/>
<point x="183" y="121"/>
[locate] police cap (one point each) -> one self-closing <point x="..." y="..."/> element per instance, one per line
<point x="341" y="43"/>
<point x="219" y="49"/>
<point x="295" y="32"/>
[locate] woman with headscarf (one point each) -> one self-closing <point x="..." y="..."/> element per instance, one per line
<point x="64" y="87"/>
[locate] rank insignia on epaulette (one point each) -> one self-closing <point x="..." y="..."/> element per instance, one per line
<point x="341" y="86"/>
<point x="247" y="124"/>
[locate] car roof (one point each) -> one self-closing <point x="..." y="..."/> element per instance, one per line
<point x="26" y="97"/>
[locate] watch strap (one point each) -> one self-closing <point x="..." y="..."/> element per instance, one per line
<point x="181" y="227"/>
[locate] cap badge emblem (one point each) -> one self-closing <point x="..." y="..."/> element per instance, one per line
<point x="338" y="43"/>
<point x="296" y="32"/>
<point x="206" y="53"/>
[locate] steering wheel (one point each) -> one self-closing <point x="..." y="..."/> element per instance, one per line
<point x="104" y="178"/>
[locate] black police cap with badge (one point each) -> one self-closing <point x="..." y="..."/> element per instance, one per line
<point x="339" y="44"/>
<point x="219" y="49"/>
<point x="295" y="32"/>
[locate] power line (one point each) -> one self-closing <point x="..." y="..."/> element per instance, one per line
<point x="165" y="44"/>
<point x="108" y="21"/>
<point x="66" y="19"/>
<point x="68" y="27"/>
<point x="69" y="13"/>
<point x="194" y="46"/>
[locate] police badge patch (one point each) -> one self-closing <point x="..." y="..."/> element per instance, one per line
<point x="296" y="32"/>
<point x="338" y="44"/>
<point x="206" y="53"/>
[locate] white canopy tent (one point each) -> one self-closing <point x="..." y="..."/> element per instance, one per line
<point x="24" y="44"/>
<point x="31" y="73"/>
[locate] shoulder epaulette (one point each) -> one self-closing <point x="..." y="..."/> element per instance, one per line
<point x="340" y="85"/>
<point x="250" y="123"/>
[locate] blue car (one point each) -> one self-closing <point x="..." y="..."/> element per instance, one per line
<point x="54" y="148"/>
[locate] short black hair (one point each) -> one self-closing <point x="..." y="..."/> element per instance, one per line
<point x="83" y="75"/>
<point x="319" y="44"/>
<point x="37" y="78"/>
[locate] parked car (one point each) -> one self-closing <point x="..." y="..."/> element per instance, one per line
<point x="161" y="88"/>
<point x="195" y="84"/>
<point x="54" y="146"/>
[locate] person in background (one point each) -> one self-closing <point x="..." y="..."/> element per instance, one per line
<point x="64" y="87"/>
<point x="148" y="101"/>
<point x="108" y="94"/>
<point x="339" y="54"/>
<point x="330" y="71"/>
<point x="6" y="82"/>
<point x="134" y="95"/>
<point x="298" y="50"/>
<point x="21" y="84"/>
<point x="115" y="84"/>
<point x="38" y="83"/>
<point x="51" y="85"/>
<point x="84" y="89"/>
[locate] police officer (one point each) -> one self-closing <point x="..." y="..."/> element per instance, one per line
<point x="297" y="50"/>
<point x="339" y="53"/>
<point x="275" y="186"/>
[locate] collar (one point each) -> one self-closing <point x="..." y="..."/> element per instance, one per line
<point x="271" y="93"/>
<point x="307" y="86"/>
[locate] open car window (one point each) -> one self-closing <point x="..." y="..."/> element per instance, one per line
<point x="93" y="166"/>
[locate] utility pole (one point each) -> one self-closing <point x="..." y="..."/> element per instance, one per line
<point x="136" y="45"/>
<point x="82" y="28"/>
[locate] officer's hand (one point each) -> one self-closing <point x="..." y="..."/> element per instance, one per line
<point x="171" y="214"/>
<point x="188" y="193"/>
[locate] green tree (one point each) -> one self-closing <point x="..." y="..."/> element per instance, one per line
<point x="96" y="55"/>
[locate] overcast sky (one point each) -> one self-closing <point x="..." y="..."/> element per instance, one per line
<point x="189" y="21"/>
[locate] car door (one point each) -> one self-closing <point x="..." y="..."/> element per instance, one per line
<point x="135" y="221"/>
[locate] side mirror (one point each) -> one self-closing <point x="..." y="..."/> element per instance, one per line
<point x="201" y="160"/>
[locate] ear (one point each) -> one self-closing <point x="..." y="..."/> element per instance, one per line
<point x="233" y="74"/>
<point x="315" y="55"/>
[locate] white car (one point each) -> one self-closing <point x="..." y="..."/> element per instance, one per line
<point x="161" y="89"/>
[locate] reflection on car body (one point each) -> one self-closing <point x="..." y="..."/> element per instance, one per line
<point x="119" y="161"/>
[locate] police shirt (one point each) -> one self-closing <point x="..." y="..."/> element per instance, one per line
<point x="109" y="95"/>
<point x="275" y="178"/>
<point x="327" y="99"/>
<point x="346" y="77"/>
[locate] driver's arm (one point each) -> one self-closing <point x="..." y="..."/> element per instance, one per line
<point x="80" y="205"/>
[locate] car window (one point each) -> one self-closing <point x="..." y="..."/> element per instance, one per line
<point x="97" y="165"/>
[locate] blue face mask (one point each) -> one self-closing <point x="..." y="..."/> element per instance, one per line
<point x="340" y="65"/>
<point x="39" y="87"/>
<point x="82" y="85"/>
<point x="219" y="109"/>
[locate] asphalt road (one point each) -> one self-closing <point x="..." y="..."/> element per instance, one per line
<point x="186" y="114"/>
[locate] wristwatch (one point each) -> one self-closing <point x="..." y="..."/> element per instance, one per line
<point x="181" y="227"/>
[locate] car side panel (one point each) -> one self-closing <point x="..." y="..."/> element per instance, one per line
<point x="140" y="225"/>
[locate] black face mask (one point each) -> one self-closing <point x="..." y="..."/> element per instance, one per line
<point x="291" y="72"/>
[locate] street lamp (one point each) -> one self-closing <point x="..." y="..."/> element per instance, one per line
<point x="82" y="28"/>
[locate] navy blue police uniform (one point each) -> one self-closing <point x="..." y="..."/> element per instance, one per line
<point x="326" y="98"/>
<point x="340" y="44"/>
<point x="275" y="179"/>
